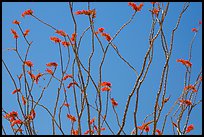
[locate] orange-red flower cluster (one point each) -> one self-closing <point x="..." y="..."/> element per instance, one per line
<point x="32" y="114"/>
<point x="145" y="126"/>
<point x="187" y="102"/>
<point x="49" y="71"/>
<point x="67" y="76"/>
<point x="184" y="62"/>
<point x="155" y="11"/>
<point x="87" y="132"/>
<point x="73" y="38"/>
<point x="16" y="22"/>
<point x="92" y="121"/>
<point x="32" y="76"/>
<point x="37" y="77"/>
<point x="52" y="64"/>
<point x="74" y="132"/>
<point x="23" y="100"/>
<point x="66" y="104"/>
<point x="190" y="87"/>
<point x="106" y="86"/>
<point x="106" y="35"/>
<point x="72" y="118"/>
<point x="27" y="12"/>
<point x="135" y="7"/>
<point x="11" y="114"/>
<point x="189" y="128"/>
<point x="65" y="43"/>
<point x="87" y="12"/>
<point x="26" y="32"/>
<point x="55" y="39"/>
<point x="114" y="103"/>
<point x="194" y="30"/>
<point x="16" y="90"/>
<point x="61" y="32"/>
<point x="71" y="84"/>
<point x="101" y="30"/>
<point x="14" y="122"/>
<point x="158" y="132"/>
<point x="29" y="63"/>
<point x="15" y="35"/>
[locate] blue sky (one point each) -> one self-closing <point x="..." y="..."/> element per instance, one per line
<point x="132" y="43"/>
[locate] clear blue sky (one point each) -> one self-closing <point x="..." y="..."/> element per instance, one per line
<point x="132" y="43"/>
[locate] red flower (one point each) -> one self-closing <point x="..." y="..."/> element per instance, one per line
<point x="72" y="118"/>
<point x="61" y="32"/>
<point x="49" y="71"/>
<point x="27" y="12"/>
<point x="16" y="22"/>
<point x="37" y="77"/>
<point x="31" y="75"/>
<point x="135" y="7"/>
<point x="106" y="89"/>
<point x="153" y="2"/>
<point x="73" y="38"/>
<point x="114" y="103"/>
<point x="190" y="87"/>
<point x="103" y="128"/>
<point x="200" y="22"/>
<point x="65" y="43"/>
<point x="87" y="131"/>
<point x="174" y="124"/>
<point x="71" y="84"/>
<point x="66" y="104"/>
<point x="159" y="132"/>
<point x="55" y="39"/>
<point x="105" y="83"/>
<point x="52" y="64"/>
<point x="67" y="76"/>
<point x="15" y="35"/>
<point x="23" y="100"/>
<point x="75" y="132"/>
<point x="189" y="128"/>
<point x="32" y="113"/>
<point x="12" y="114"/>
<point x="16" y="90"/>
<point x="155" y="11"/>
<point x="184" y="62"/>
<point x="107" y="36"/>
<point x="194" y="30"/>
<point x="147" y="128"/>
<point x="26" y="32"/>
<point x="100" y="30"/>
<point x="20" y="76"/>
<point x="28" y="63"/>
<point x="187" y="102"/>
<point x="92" y="121"/>
<point x="87" y="12"/>
<point x="18" y="121"/>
